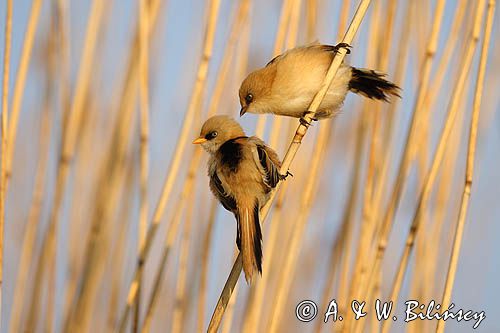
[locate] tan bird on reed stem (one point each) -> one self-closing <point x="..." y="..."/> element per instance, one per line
<point x="242" y="171"/>
<point x="288" y="83"/>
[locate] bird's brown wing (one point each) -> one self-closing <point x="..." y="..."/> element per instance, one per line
<point x="218" y="190"/>
<point x="268" y="162"/>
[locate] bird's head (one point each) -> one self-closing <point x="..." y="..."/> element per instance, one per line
<point x="216" y="131"/>
<point x="255" y="89"/>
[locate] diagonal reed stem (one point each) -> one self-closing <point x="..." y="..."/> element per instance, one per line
<point x="438" y="156"/>
<point x="289" y="157"/>
<point x="366" y="278"/>
<point x="144" y="141"/>
<point x="19" y="85"/>
<point x="4" y="143"/>
<point x="469" y="173"/>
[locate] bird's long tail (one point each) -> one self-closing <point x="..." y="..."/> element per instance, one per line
<point x="251" y="238"/>
<point x="372" y="84"/>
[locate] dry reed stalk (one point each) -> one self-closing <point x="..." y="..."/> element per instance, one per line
<point x="386" y="226"/>
<point x="291" y="41"/>
<point x="346" y="227"/>
<point x="443" y="196"/>
<point x="428" y="242"/>
<point x="279" y="42"/>
<point x="344" y="236"/>
<point x="453" y="38"/>
<point x="4" y="143"/>
<point x="32" y="224"/>
<point x="438" y="156"/>
<point x="421" y="266"/>
<point x="383" y="47"/>
<point x="119" y="252"/>
<point x="240" y="20"/>
<point x="207" y="241"/>
<point x="377" y="57"/>
<point x="414" y="125"/>
<point x="426" y="278"/>
<point x="47" y="260"/>
<point x="179" y="151"/>
<point x="290" y="155"/>
<point x="228" y="319"/>
<point x="348" y="218"/>
<point x="169" y="240"/>
<point x="471" y="152"/>
<point x="111" y="176"/>
<point x="107" y="199"/>
<point x="19" y="85"/>
<point x="180" y="146"/>
<point x="287" y="272"/>
<point x="157" y="284"/>
<point x="372" y="112"/>
<point x="369" y="121"/>
<point x="333" y="268"/>
<point x="180" y="292"/>
<point x="388" y="143"/>
<point x="311" y="18"/>
<point x="144" y="141"/>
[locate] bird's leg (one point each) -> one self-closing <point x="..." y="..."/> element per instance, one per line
<point x="346" y="46"/>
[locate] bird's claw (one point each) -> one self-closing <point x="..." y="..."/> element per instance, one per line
<point x="285" y="176"/>
<point x="346" y="46"/>
<point x="306" y="122"/>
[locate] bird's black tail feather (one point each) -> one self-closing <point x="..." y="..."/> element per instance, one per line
<point x="372" y="84"/>
<point x="250" y="239"/>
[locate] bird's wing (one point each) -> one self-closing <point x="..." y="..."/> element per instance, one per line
<point x="218" y="190"/>
<point x="267" y="162"/>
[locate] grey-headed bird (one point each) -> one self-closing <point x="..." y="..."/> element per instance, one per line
<point x="243" y="171"/>
<point x="288" y="83"/>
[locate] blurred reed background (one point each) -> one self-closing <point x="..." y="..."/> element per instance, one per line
<point x="108" y="222"/>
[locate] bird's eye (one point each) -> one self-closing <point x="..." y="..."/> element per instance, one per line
<point x="249" y="98"/>
<point x="211" y="135"/>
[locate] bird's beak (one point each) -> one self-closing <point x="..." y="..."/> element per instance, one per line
<point x="199" y="140"/>
<point x="243" y="111"/>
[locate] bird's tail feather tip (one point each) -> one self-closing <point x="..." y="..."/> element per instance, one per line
<point x="251" y="237"/>
<point x="372" y="84"/>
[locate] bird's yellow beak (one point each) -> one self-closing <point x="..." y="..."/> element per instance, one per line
<point x="199" y="140"/>
<point x="243" y="111"/>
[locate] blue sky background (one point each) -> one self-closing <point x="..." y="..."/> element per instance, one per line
<point x="175" y="55"/>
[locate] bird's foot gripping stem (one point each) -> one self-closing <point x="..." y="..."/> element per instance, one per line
<point x="285" y="176"/>
<point x="346" y="46"/>
<point x="305" y="121"/>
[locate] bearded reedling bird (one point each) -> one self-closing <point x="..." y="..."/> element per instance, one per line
<point x="242" y="171"/>
<point x="287" y="85"/>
